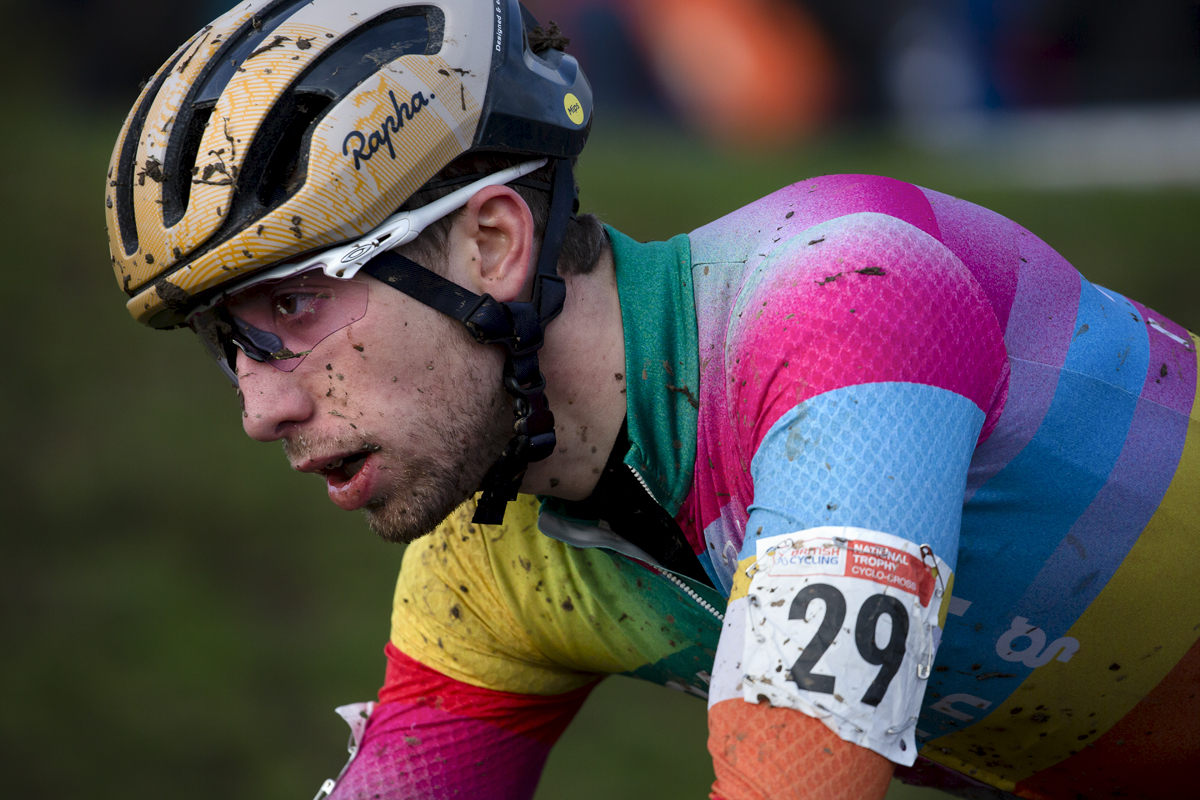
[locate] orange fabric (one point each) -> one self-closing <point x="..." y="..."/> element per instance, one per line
<point x="764" y="753"/>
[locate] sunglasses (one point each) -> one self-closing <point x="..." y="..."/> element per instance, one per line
<point x="279" y="316"/>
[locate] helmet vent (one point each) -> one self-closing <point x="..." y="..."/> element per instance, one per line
<point x="197" y="109"/>
<point x="248" y="38"/>
<point x="276" y="164"/>
<point x="365" y="51"/>
<point x="284" y="172"/>
<point x="178" y="189"/>
<point x="123" y="180"/>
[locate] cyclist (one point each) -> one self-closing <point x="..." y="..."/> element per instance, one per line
<point x="872" y="469"/>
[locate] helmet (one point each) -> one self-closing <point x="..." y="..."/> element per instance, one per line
<point x="290" y="126"/>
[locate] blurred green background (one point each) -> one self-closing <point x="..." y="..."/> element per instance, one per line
<point x="180" y="613"/>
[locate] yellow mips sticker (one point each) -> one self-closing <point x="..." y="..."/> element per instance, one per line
<point x="574" y="108"/>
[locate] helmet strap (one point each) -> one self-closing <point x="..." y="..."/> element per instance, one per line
<point x="517" y="327"/>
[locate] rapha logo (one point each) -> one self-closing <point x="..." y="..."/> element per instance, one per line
<point x="367" y="145"/>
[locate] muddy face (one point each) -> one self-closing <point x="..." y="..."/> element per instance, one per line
<point x="400" y="413"/>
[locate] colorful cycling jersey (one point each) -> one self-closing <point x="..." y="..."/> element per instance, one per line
<point x="944" y="486"/>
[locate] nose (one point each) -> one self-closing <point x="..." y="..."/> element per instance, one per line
<point x="274" y="402"/>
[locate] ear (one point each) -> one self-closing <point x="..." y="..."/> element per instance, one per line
<point x="491" y="245"/>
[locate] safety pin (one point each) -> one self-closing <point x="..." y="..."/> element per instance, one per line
<point x="839" y="716"/>
<point x="926" y="669"/>
<point x="926" y="554"/>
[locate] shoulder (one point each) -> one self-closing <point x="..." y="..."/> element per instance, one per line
<point x="798" y="207"/>
<point x="865" y="298"/>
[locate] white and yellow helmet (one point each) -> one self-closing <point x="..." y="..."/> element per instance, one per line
<point x="288" y="126"/>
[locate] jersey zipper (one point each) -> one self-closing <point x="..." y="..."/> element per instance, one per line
<point x="645" y="485"/>
<point x="689" y="591"/>
<point x="667" y="573"/>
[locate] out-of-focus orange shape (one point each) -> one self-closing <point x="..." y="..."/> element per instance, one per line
<point x="748" y="72"/>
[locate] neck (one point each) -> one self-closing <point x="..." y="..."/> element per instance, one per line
<point x="584" y="364"/>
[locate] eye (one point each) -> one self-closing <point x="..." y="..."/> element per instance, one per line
<point x="296" y="305"/>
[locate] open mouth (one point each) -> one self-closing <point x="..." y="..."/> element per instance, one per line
<point x="343" y="469"/>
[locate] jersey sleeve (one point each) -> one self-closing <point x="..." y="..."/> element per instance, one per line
<point x="432" y="736"/>
<point x="864" y="365"/>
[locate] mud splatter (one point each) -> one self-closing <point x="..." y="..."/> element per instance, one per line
<point x="174" y="297"/>
<point x="153" y="170"/>
<point x="275" y="42"/>
<point x="549" y="38"/>
<point x="687" y="392"/>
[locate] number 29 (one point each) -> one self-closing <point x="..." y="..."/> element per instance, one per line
<point x="888" y="658"/>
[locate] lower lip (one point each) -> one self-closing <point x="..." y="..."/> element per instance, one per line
<point x="356" y="492"/>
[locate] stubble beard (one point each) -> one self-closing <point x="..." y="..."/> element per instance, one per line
<point x="468" y="439"/>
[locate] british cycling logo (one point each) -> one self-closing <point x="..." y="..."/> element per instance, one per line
<point x="890" y="566"/>
<point x="369" y="144"/>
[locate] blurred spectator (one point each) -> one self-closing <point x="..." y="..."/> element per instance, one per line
<point x="717" y="63"/>
<point x="935" y="60"/>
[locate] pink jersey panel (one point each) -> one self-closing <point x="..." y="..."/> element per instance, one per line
<point x="424" y="753"/>
<point x="871" y="299"/>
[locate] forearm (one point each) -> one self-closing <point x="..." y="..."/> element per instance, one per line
<point x="765" y="753"/>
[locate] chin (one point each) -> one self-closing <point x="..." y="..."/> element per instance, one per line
<point x="407" y="514"/>
<point x="402" y="523"/>
<point x="448" y="471"/>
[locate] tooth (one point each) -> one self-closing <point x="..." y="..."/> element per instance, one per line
<point x="335" y="464"/>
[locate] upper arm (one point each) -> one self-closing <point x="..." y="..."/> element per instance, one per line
<point x="865" y="363"/>
<point x="761" y="752"/>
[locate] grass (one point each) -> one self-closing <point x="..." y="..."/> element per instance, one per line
<point x="181" y="613"/>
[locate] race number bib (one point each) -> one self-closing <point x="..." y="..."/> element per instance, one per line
<point x="843" y="625"/>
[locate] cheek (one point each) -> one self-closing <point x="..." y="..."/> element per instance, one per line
<point x="398" y="359"/>
<point x="379" y="375"/>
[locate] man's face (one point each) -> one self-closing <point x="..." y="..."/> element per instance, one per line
<point x="400" y="412"/>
